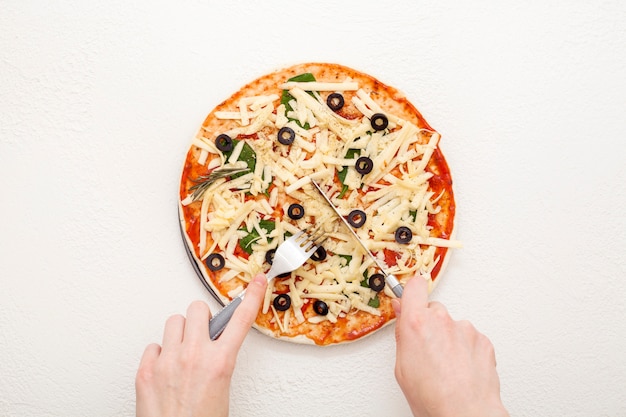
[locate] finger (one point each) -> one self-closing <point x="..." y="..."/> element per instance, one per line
<point x="397" y="307"/>
<point x="436" y="305"/>
<point x="487" y="347"/>
<point x="145" y="372"/>
<point x="197" y="322"/>
<point x="149" y="357"/>
<point x="173" y="333"/>
<point x="468" y="328"/>
<point x="415" y="296"/>
<point x="243" y="318"/>
<point x="440" y="313"/>
<point x="492" y="354"/>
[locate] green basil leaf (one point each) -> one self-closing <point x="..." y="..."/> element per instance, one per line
<point x="307" y="77"/>
<point x="348" y="258"/>
<point x="286" y="97"/>
<point x="246" y="242"/>
<point x="303" y="78"/>
<point x="351" y="154"/>
<point x="374" y="302"/>
<point x="267" y="225"/>
<point x="342" y="174"/>
<point x="365" y="283"/>
<point x="344" y="190"/>
<point x="247" y="155"/>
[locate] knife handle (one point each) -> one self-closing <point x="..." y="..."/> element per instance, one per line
<point x="218" y="322"/>
<point x="395" y="285"/>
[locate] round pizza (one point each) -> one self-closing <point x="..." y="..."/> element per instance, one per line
<point x="246" y="187"/>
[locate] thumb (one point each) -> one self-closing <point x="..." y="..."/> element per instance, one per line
<point x="246" y="313"/>
<point x="396" y="304"/>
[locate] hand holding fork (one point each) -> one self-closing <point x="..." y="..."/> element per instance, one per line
<point x="289" y="256"/>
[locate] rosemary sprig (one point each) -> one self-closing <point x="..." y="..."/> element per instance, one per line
<point x="205" y="181"/>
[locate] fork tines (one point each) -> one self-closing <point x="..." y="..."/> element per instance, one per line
<point x="313" y="238"/>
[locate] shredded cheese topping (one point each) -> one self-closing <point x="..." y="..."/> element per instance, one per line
<point x="395" y="193"/>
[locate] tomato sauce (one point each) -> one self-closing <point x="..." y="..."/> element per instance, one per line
<point x="391" y="257"/>
<point x="351" y="327"/>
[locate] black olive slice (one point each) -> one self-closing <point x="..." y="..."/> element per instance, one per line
<point x="215" y="262"/>
<point x="224" y="143"/>
<point x="335" y="101"/>
<point x="319" y="255"/>
<point x="295" y="211"/>
<point x="377" y="282"/>
<point x="364" y="165"/>
<point x="320" y="307"/>
<point x="403" y="234"/>
<point x="282" y="302"/>
<point x="379" y="121"/>
<point x="286" y="135"/>
<point x="269" y="256"/>
<point x="357" y="218"/>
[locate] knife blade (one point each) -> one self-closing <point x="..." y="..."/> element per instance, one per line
<point x="390" y="279"/>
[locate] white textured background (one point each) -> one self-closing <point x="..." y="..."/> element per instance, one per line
<point x="98" y="103"/>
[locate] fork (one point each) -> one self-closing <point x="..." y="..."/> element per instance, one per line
<point x="289" y="256"/>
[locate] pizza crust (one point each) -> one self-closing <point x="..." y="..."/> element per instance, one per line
<point x="356" y="323"/>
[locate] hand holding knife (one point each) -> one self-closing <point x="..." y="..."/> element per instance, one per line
<point x="391" y="280"/>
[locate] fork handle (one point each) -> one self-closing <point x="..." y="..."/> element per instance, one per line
<point x="218" y="322"/>
<point x="395" y="286"/>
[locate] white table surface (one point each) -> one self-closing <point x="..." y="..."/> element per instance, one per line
<point x="99" y="102"/>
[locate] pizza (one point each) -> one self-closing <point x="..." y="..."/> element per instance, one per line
<point x="246" y="187"/>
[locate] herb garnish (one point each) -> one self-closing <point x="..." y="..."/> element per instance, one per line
<point x="246" y="242"/>
<point x="286" y="97"/>
<point x="351" y="154"/>
<point x="247" y="155"/>
<point x="205" y="181"/>
<point x="374" y="302"/>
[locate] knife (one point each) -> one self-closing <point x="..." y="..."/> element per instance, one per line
<point x="391" y="280"/>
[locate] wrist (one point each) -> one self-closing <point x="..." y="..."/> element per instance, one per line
<point x="480" y="410"/>
<point x="496" y="410"/>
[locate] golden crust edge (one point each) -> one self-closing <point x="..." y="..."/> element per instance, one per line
<point x="302" y="339"/>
